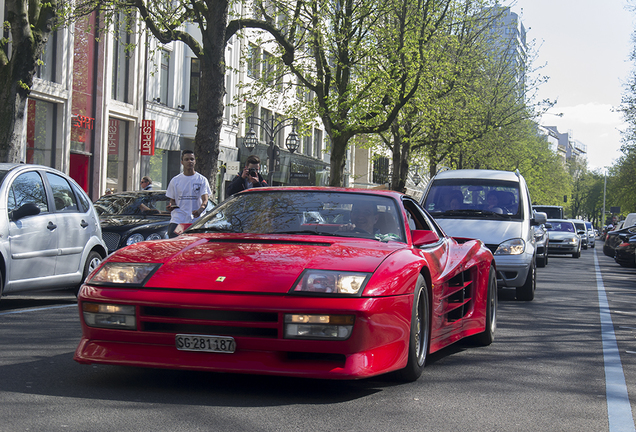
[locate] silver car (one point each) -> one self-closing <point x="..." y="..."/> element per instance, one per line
<point x="50" y="237"/>
<point x="495" y="207"/>
<point x="564" y="238"/>
<point x="591" y="234"/>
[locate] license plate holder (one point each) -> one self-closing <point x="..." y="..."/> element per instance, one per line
<point x="205" y="343"/>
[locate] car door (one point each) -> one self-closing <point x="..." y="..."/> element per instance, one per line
<point x="74" y="223"/>
<point x="32" y="239"/>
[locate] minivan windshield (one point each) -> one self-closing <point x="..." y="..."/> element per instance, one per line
<point x="474" y="198"/>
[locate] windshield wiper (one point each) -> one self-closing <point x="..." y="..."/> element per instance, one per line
<point x="308" y="232"/>
<point x="208" y="229"/>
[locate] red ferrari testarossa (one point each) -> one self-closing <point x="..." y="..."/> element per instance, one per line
<point x="310" y="282"/>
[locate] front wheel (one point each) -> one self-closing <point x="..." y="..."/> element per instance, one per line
<point x="92" y="262"/>
<point x="488" y="335"/>
<point x="526" y="291"/>
<point x="420" y="334"/>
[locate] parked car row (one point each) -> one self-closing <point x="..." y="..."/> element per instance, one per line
<point x="620" y="243"/>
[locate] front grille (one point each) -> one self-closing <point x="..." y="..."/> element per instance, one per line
<point x="556" y="241"/>
<point x="111" y="239"/>
<point x="493" y="247"/>
<point x="204" y="321"/>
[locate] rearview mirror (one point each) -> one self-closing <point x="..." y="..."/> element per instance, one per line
<point x="28" y="209"/>
<point x="423" y="237"/>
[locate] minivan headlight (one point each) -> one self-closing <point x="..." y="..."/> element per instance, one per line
<point x="511" y="247"/>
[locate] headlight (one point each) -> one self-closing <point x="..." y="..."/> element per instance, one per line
<point x="331" y="282"/>
<point x="511" y="247"/>
<point x="123" y="273"/>
<point x="302" y="326"/>
<point x="135" y="238"/>
<point x="572" y="241"/>
<point x="109" y="316"/>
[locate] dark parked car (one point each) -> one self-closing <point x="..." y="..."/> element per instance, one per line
<point x="130" y="217"/>
<point x="624" y="252"/>
<point x="542" y="240"/>
<point x="613" y="239"/>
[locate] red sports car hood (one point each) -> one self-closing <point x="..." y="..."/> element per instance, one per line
<point x="251" y="263"/>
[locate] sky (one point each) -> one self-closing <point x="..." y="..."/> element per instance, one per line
<point x="583" y="47"/>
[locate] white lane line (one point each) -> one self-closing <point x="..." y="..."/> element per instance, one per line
<point x="35" y="310"/>
<point x="619" y="410"/>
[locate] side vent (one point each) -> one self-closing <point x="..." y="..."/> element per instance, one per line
<point x="459" y="296"/>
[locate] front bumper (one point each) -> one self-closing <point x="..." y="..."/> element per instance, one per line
<point x="512" y="270"/>
<point x="377" y="345"/>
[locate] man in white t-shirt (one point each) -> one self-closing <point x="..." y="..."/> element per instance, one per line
<point x="188" y="193"/>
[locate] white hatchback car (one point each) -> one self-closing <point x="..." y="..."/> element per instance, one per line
<point x="50" y="236"/>
<point x="495" y="207"/>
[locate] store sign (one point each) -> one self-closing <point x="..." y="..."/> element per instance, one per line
<point x="148" y="138"/>
<point x="82" y="122"/>
<point x="113" y="137"/>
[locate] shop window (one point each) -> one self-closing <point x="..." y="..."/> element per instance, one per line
<point x="41" y="131"/>
<point x="117" y="166"/>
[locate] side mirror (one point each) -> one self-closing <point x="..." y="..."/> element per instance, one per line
<point x="423" y="237"/>
<point x="539" y="218"/>
<point x="580" y="232"/>
<point x="28" y="209"/>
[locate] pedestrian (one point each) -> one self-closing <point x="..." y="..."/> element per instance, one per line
<point x="250" y="177"/>
<point x="188" y="193"/>
<point x="146" y="183"/>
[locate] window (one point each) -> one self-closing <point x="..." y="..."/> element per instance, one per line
<point x="27" y="188"/>
<point x="254" y="62"/>
<point x="195" y="78"/>
<point x="121" y="60"/>
<point x="116" y="167"/>
<point x="307" y="144"/>
<point x="46" y="70"/>
<point x="63" y="195"/>
<point x="250" y="110"/>
<point x="164" y="84"/>
<point x="317" y="143"/>
<point x="41" y="130"/>
<point x="381" y="170"/>
<point x="269" y="68"/>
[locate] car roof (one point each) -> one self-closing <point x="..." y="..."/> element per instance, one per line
<point x="480" y="174"/>
<point x="327" y="189"/>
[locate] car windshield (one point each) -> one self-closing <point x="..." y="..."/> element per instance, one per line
<point x="141" y="203"/>
<point x="561" y="226"/>
<point x="474" y="198"/>
<point x="306" y="212"/>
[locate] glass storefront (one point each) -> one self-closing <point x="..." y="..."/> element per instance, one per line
<point x="41" y="132"/>
<point x="117" y="166"/>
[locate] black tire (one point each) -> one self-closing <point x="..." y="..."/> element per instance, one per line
<point x="488" y="335"/>
<point x="542" y="261"/>
<point x="577" y="254"/>
<point x="94" y="259"/>
<point x="420" y="334"/>
<point x="526" y="291"/>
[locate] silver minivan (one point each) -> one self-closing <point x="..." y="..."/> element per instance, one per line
<point x="495" y="207"/>
<point x="50" y="236"/>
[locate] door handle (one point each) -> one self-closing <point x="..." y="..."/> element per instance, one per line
<point x="83" y="223"/>
<point x="51" y="226"/>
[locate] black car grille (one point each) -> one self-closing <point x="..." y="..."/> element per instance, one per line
<point x="111" y="239"/>
<point x="215" y="322"/>
<point x="493" y="247"/>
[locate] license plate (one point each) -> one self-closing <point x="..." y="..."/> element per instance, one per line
<point x="205" y="343"/>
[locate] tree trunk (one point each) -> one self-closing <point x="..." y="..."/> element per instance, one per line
<point x="12" y="104"/>
<point x="339" y="143"/>
<point x="211" y="94"/>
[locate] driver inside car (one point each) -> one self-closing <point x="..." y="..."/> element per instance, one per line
<point x="364" y="216"/>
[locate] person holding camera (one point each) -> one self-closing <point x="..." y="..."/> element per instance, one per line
<point x="248" y="178"/>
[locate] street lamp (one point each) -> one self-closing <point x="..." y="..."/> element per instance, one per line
<point x="271" y="130"/>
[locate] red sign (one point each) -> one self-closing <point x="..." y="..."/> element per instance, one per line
<point x="147" y="137"/>
<point x="82" y="122"/>
<point x="113" y="137"/>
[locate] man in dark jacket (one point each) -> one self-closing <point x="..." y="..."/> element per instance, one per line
<point x="248" y="178"/>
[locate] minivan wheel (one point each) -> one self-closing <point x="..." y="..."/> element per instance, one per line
<point x="526" y="291"/>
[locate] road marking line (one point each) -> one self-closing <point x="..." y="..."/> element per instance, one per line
<point x="619" y="410"/>
<point x="35" y="310"/>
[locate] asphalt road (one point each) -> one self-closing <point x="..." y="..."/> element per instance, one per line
<point x="546" y="371"/>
